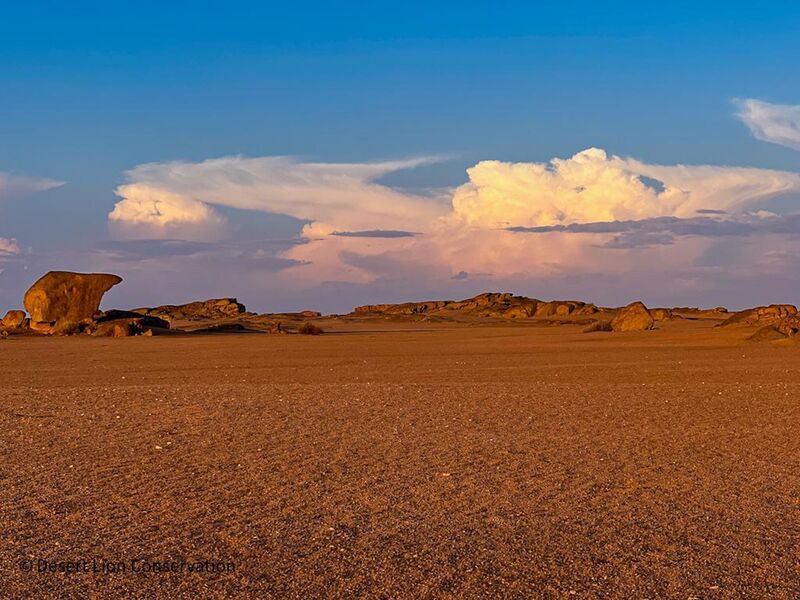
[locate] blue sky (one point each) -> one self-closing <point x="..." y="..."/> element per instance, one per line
<point x="89" y="91"/>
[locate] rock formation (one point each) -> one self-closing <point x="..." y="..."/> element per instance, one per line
<point x="559" y="308"/>
<point x="14" y="319"/>
<point x="68" y="297"/>
<point x="787" y="327"/>
<point x="65" y="303"/>
<point x="760" y="316"/>
<point x="489" y="304"/>
<point x="128" y="326"/>
<point x="661" y="314"/>
<point x="123" y="323"/>
<point x="634" y="317"/>
<point x="194" y="311"/>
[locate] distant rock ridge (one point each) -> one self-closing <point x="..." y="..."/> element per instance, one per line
<point x="635" y="316"/>
<point x="67" y="303"/>
<point x="488" y="304"/>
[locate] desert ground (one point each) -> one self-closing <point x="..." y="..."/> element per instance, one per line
<point x="412" y="460"/>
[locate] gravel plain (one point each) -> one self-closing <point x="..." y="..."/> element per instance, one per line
<point x="411" y="462"/>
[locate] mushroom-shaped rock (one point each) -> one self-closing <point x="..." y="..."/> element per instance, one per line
<point x="634" y="317"/>
<point x="64" y="296"/>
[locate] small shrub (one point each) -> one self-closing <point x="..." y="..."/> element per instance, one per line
<point x="310" y="329"/>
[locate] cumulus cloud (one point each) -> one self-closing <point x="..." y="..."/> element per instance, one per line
<point x="592" y="186"/>
<point x="148" y="212"/>
<point x="177" y="199"/>
<point x="14" y="186"/>
<point x="774" y="123"/>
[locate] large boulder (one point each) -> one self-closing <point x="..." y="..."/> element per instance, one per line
<point x="14" y="319"/>
<point x="634" y="317"/>
<point x="68" y="297"/>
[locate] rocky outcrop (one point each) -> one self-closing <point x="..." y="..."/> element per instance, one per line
<point x="124" y="323"/>
<point x="787" y="327"/>
<point x="66" y="303"/>
<point x="489" y="304"/>
<point x="661" y="314"/>
<point x="14" y="319"/>
<point x="216" y="308"/>
<point x="127" y="326"/>
<point x="520" y="311"/>
<point x="634" y="317"/>
<point x="760" y="316"/>
<point x="560" y="308"/>
<point x="61" y="296"/>
<point x="406" y="308"/>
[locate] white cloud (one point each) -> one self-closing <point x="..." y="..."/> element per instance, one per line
<point x="148" y="212"/>
<point x="591" y="186"/>
<point x="163" y="198"/>
<point x="14" y="186"/>
<point x="775" y="123"/>
<point x="8" y="246"/>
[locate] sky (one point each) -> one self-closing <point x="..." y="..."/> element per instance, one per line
<point x="316" y="155"/>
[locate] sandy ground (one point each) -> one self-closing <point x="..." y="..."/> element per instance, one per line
<point x="451" y="462"/>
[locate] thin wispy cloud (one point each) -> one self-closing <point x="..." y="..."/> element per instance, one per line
<point x="13" y="187"/>
<point x="8" y="247"/>
<point x="17" y="186"/>
<point x="739" y="225"/>
<point x="774" y="123"/>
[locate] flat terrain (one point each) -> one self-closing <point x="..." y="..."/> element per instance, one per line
<point x="449" y="462"/>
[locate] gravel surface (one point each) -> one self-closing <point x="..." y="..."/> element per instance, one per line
<point x="450" y="462"/>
